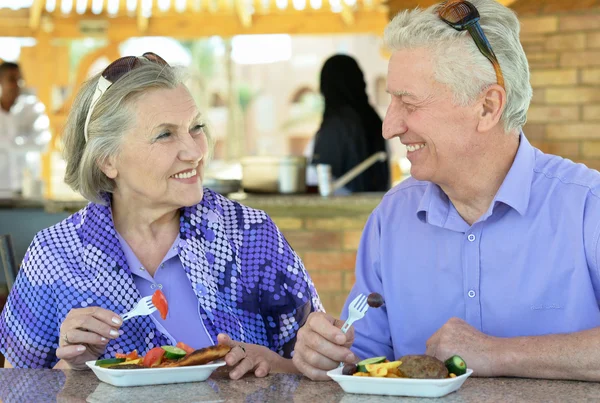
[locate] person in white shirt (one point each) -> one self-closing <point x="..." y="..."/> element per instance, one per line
<point x="24" y="129"/>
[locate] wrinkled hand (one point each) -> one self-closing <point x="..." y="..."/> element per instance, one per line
<point x="246" y="357"/>
<point x="321" y="346"/>
<point x="458" y="337"/>
<point x="84" y="335"/>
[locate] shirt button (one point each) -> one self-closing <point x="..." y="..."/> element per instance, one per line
<point x="142" y="269"/>
<point x="471" y="237"/>
<point x="471" y="293"/>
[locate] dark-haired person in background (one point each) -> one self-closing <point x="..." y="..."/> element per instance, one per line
<point x="351" y="129"/>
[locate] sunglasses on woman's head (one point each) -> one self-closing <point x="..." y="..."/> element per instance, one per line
<point x="111" y="74"/>
<point x="462" y="15"/>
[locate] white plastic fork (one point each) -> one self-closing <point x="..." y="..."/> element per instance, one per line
<point x="356" y="310"/>
<point x="143" y="307"/>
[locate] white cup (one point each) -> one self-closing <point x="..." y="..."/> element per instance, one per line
<point x="324" y="179"/>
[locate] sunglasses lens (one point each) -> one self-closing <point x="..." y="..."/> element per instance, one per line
<point x="153" y="57"/>
<point x="459" y="13"/>
<point x="119" y="67"/>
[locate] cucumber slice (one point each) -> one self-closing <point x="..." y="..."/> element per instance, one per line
<point x="109" y="361"/>
<point x="456" y="365"/>
<point x="173" y="353"/>
<point x="362" y="366"/>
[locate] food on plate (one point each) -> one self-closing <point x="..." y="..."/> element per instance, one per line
<point x="375" y="300"/>
<point x="160" y="302"/>
<point x="408" y="366"/>
<point x="349" y="369"/>
<point x="362" y="366"/>
<point x="423" y="367"/>
<point x="456" y="365"/>
<point x="181" y="355"/>
<point x="199" y="357"/>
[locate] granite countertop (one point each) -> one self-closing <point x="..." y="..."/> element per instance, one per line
<point x="44" y="385"/>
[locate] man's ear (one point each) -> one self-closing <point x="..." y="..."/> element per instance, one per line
<point x="492" y="104"/>
<point x="109" y="166"/>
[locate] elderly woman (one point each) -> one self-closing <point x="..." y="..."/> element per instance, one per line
<point x="136" y="146"/>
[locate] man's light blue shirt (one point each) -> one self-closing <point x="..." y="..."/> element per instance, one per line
<point x="528" y="266"/>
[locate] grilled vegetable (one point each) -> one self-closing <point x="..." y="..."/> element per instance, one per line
<point x="362" y="366"/>
<point x="456" y="365"/>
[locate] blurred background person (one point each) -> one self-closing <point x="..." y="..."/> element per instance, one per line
<point x="23" y="130"/>
<point x="350" y="131"/>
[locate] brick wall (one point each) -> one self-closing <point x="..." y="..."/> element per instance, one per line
<point x="327" y="247"/>
<point x="563" y="49"/>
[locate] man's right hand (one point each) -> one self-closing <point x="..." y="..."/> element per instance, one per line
<point x="321" y="346"/>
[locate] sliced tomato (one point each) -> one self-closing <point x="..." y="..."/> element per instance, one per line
<point x="160" y="302"/>
<point x="185" y="347"/>
<point x="153" y="357"/>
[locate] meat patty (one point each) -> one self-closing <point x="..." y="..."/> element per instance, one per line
<point x="422" y="367"/>
<point x="199" y="357"/>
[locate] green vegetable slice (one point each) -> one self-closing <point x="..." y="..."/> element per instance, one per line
<point x="109" y="361"/>
<point x="173" y="353"/>
<point x="362" y="366"/>
<point x="456" y="365"/>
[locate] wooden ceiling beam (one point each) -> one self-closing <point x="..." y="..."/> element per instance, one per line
<point x="205" y="25"/>
<point x="35" y="14"/>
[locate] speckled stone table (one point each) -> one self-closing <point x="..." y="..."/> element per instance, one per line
<point x="29" y="385"/>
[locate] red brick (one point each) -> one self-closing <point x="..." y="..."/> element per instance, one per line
<point x="590" y="76"/>
<point x="349" y="280"/>
<point x="542" y="60"/>
<point x="307" y="240"/>
<point x="576" y="96"/>
<point x="590" y="163"/>
<point x="574" y="41"/>
<point x="591" y="112"/>
<point x="329" y="260"/>
<point x="543" y="114"/>
<point x="567" y="149"/>
<point x="539" y="96"/>
<point x="579" y="22"/>
<point x="580" y="59"/>
<point x="554" y="77"/>
<point x="352" y="240"/>
<point x="327" y="280"/>
<point x="539" y="25"/>
<point x="535" y="131"/>
<point x="574" y="131"/>
<point x="593" y="40"/>
<point x="287" y="223"/>
<point x="336" y="223"/>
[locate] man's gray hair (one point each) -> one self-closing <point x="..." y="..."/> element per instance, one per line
<point x="459" y="63"/>
<point x="111" y="119"/>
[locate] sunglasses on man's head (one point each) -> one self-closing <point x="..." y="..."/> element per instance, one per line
<point x="462" y="15"/>
<point x="111" y="74"/>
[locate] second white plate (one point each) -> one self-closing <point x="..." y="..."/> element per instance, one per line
<point x="398" y="386"/>
<point x="154" y="376"/>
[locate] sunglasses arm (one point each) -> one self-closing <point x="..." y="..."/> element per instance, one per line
<point x="101" y="88"/>
<point x="485" y="48"/>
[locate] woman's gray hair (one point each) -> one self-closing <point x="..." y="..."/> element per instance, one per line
<point x="459" y="63"/>
<point x="111" y="119"/>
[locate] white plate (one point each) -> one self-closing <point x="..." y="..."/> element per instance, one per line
<point x="398" y="386"/>
<point x="154" y="376"/>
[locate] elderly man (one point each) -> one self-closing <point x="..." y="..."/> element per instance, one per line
<point x="490" y="251"/>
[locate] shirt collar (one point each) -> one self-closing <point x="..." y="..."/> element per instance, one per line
<point x="435" y="207"/>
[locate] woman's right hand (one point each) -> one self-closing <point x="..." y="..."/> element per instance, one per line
<point x="84" y="335"/>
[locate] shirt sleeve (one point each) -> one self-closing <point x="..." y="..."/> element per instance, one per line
<point x="591" y="228"/>
<point x="372" y="336"/>
<point x="28" y="324"/>
<point x="288" y="294"/>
